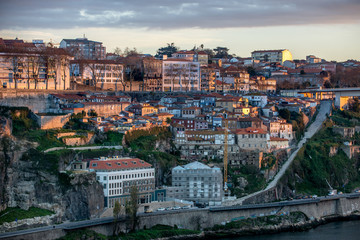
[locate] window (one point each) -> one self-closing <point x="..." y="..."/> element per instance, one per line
<point x="104" y="178"/>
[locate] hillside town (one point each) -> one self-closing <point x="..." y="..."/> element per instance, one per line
<point x="183" y="129"/>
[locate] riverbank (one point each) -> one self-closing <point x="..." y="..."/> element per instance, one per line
<point x="260" y="226"/>
<point x="262" y="229"/>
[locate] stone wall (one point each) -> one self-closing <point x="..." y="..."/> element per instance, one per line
<point x="65" y="134"/>
<point x="204" y="218"/>
<point x="52" y="121"/>
<point x="105" y="109"/>
<point x="37" y="101"/>
<point x="85" y="139"/>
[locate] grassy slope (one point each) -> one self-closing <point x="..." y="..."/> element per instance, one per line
<point x="11" y="214"/>
<point x="313" y="164"/>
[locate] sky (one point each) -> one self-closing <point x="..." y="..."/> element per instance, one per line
<point x="329" y="29"/>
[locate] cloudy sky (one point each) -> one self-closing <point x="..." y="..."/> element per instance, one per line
<point x="327" y="28"/>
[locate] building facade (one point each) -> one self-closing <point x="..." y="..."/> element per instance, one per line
<point x="180" y="75"/>
<point x="198" y="182"/>
<point x="82" y="48"/>
<point x="280" y="56"/>
<point x="118" y="175"/>
<point x="25" y="66"/>
<point x="105" y="74"/>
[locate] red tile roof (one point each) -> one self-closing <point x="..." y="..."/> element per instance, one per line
<point x="192" y="108"/>
<point x="68" y="96"/>
<point x="116" y="164"/>
<point x="104" y="103"/>
<point x="278" y="139"/>
<point x="177" y="60"/>
<point x="250" y="130"/>
<point x="218" y="82"/>
<point x="306" y="70"/>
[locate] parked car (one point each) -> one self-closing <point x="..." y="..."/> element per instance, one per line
<point x="186" y="207"/>
<point x="176" y="208"/>
<point x="149" y="211"/>
<point x="161" y="209"/>
<point x="168" y="208"/>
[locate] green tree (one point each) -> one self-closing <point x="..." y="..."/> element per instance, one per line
<point x="327" y="84"/>
<point x="93" y="113"/>
<point x="117" y="214"/>
<point x="168" y="50"/>
<point x="131" y="52"/>
<point x="251" y="71"/>
<point x="131" y="208"/>
<point x="355" y="106"/>
<point x="285" y="114"/>
<point x="221" y="52"/>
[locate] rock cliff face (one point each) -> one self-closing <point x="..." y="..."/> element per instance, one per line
<point x="31" y="178"/>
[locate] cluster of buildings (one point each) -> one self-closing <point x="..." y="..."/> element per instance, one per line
<point x="195" y="181"/>
<point x="198" y="122"/>
<point x="219" y="106"/>
<point x="83" y="61"/>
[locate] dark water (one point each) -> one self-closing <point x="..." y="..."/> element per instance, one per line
<point x="347" y="230"/>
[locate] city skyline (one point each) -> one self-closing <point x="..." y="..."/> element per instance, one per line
<point x="327" y="29"/>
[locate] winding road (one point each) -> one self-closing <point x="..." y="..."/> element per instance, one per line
<point x="325" y="109"/>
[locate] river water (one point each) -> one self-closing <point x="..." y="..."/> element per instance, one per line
<point x="347" y="230"/>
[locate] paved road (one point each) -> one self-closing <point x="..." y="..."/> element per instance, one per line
<point x="325" y="108"/>
<point x="82" y="148"/>
<point x="65" y="226"/>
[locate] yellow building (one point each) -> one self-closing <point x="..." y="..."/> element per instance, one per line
<point x="281" y="55"/>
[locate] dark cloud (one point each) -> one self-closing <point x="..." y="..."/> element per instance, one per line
<point x="174" y="14"/>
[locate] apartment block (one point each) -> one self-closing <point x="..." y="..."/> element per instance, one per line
<point x="82" y="48"/>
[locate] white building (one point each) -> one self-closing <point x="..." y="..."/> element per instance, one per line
<point x="256" y="99"/>
<point x="272" y="55"/>
<point x="117" y="175"/>
<point x="196" y="56"/>
<point x="181" y="75"/>
<point x="34" y="67"/>
<point x="279" y="128"/>
<point x="198" y="182"/>
<point x="108" y="74"/>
